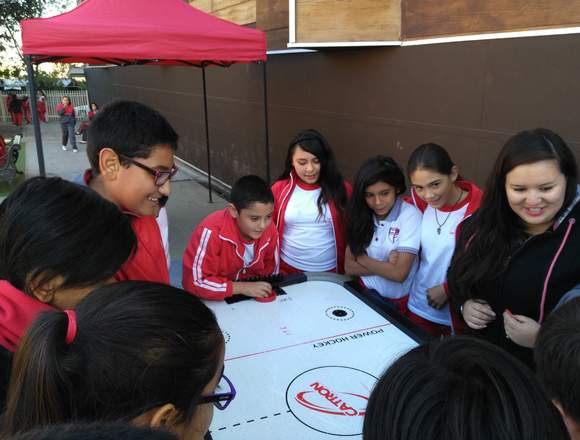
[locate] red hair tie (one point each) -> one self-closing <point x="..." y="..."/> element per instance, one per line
<point x="71" y="329"/>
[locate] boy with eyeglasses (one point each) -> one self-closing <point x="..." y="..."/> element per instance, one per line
<point x="131" y="151"/>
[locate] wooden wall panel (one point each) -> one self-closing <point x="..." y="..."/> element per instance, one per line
<point x="241" y="13"/>
<point x="238" y="11"/>
<point x="271" y="14"/>
<point x="469" y="97"/>
<point x="347" y="20"/>
<point x="204" y="5"/>
<point x="277" y="39"/>
<point x="272" y="18"/>
<point x="431" y="18"/>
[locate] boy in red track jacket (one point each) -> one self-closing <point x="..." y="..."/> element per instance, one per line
<point x="234" y="244"/>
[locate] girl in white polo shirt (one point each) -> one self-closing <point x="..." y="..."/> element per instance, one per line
<point x="383" y="233"/>
<point x="309" y="202"/>
<point x="445" y="200"/>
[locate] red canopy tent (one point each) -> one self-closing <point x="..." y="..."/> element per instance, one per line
<point x="136" y="32"/>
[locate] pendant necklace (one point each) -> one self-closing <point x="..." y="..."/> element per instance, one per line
<point x="440" y="225"/>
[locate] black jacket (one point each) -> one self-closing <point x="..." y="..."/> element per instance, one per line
<point x="519" y="288"/>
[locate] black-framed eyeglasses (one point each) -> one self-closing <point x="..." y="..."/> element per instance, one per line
<point x="221" y="400"/>
<point x="161" y="177"/>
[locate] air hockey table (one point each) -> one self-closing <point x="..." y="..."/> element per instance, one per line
<point x="304" y="365"/>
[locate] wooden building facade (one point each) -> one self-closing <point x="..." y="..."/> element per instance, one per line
<point x="385" y="76"/>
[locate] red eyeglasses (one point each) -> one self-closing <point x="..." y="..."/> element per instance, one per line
<point x="161" y="177"/>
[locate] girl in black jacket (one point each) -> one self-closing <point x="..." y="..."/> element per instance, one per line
<point x="520" y="253"/>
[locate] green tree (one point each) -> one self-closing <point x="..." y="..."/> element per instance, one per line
<point x="12" y="12"/>
<point x="11" y="72"/>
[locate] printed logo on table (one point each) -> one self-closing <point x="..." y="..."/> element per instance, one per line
<point x="331" y="399"/>
<point x="337" y="403"/>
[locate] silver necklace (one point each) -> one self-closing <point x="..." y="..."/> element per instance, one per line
<point x="440" y="225"/>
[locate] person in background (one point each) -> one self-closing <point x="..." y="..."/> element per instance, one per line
<point x="26" y="109"/>
<point x="66" y="112"/>
<point x="41" y="106"/>
<point x="15" y="109"/>
<point x="83" y="128"/>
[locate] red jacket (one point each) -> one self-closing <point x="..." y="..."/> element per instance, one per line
<point x="214" y="257"/>
<point x="283" y="189"/>
<point x="68" y="110"/>
<point x="17" y="311"/>
<point x="149" y="262"/>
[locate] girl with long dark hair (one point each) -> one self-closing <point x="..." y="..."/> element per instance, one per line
<point x="58" y="242"/>
<point x="446" y="201"/>
<point x="383" y="232"/>
<point x="135" y="352"/>
<point x="310" y="200"/>
<point x="521" y="253"/>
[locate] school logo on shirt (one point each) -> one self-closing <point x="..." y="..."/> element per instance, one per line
<point x="394" y="234"/>
<point x="331" y="400"/>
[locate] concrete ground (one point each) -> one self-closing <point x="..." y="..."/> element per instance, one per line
<point x="187" y="205"/>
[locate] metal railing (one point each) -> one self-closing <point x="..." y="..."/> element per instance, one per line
<point x="79" y="98"/>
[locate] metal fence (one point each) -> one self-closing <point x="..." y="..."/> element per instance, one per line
<point x="79" y="98"/>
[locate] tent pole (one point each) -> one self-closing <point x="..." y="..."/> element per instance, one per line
<point x="206" y="134"/>
<point x="35" y="120"/>
<point x="266" y="129"/>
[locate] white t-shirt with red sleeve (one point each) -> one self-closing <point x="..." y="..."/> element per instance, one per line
<point x="438" y="228"/>
<point x="401" y="232"/>
<point x="308" y="241"/>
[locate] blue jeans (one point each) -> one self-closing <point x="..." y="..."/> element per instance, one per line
<point x="68" y="132"/>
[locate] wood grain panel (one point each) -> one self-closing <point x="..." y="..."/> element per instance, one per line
<point x="271" y="14"/>
<point x="203" y="5"/>
<point x="429" y="18"/>
<point x="277" y="39"/>
<point x="347" y="20"/>
<point x="241" y="13"/>
<point x="216" y="5"/>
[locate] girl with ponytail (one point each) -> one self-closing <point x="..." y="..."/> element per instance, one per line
<point x="136" y="352"/>
<point x="446" y="201"/>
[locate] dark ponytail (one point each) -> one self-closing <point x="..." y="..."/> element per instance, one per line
<point x="42" y="376"/>
<point x="138" y="346"/>
<point x="430" y="157"/>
